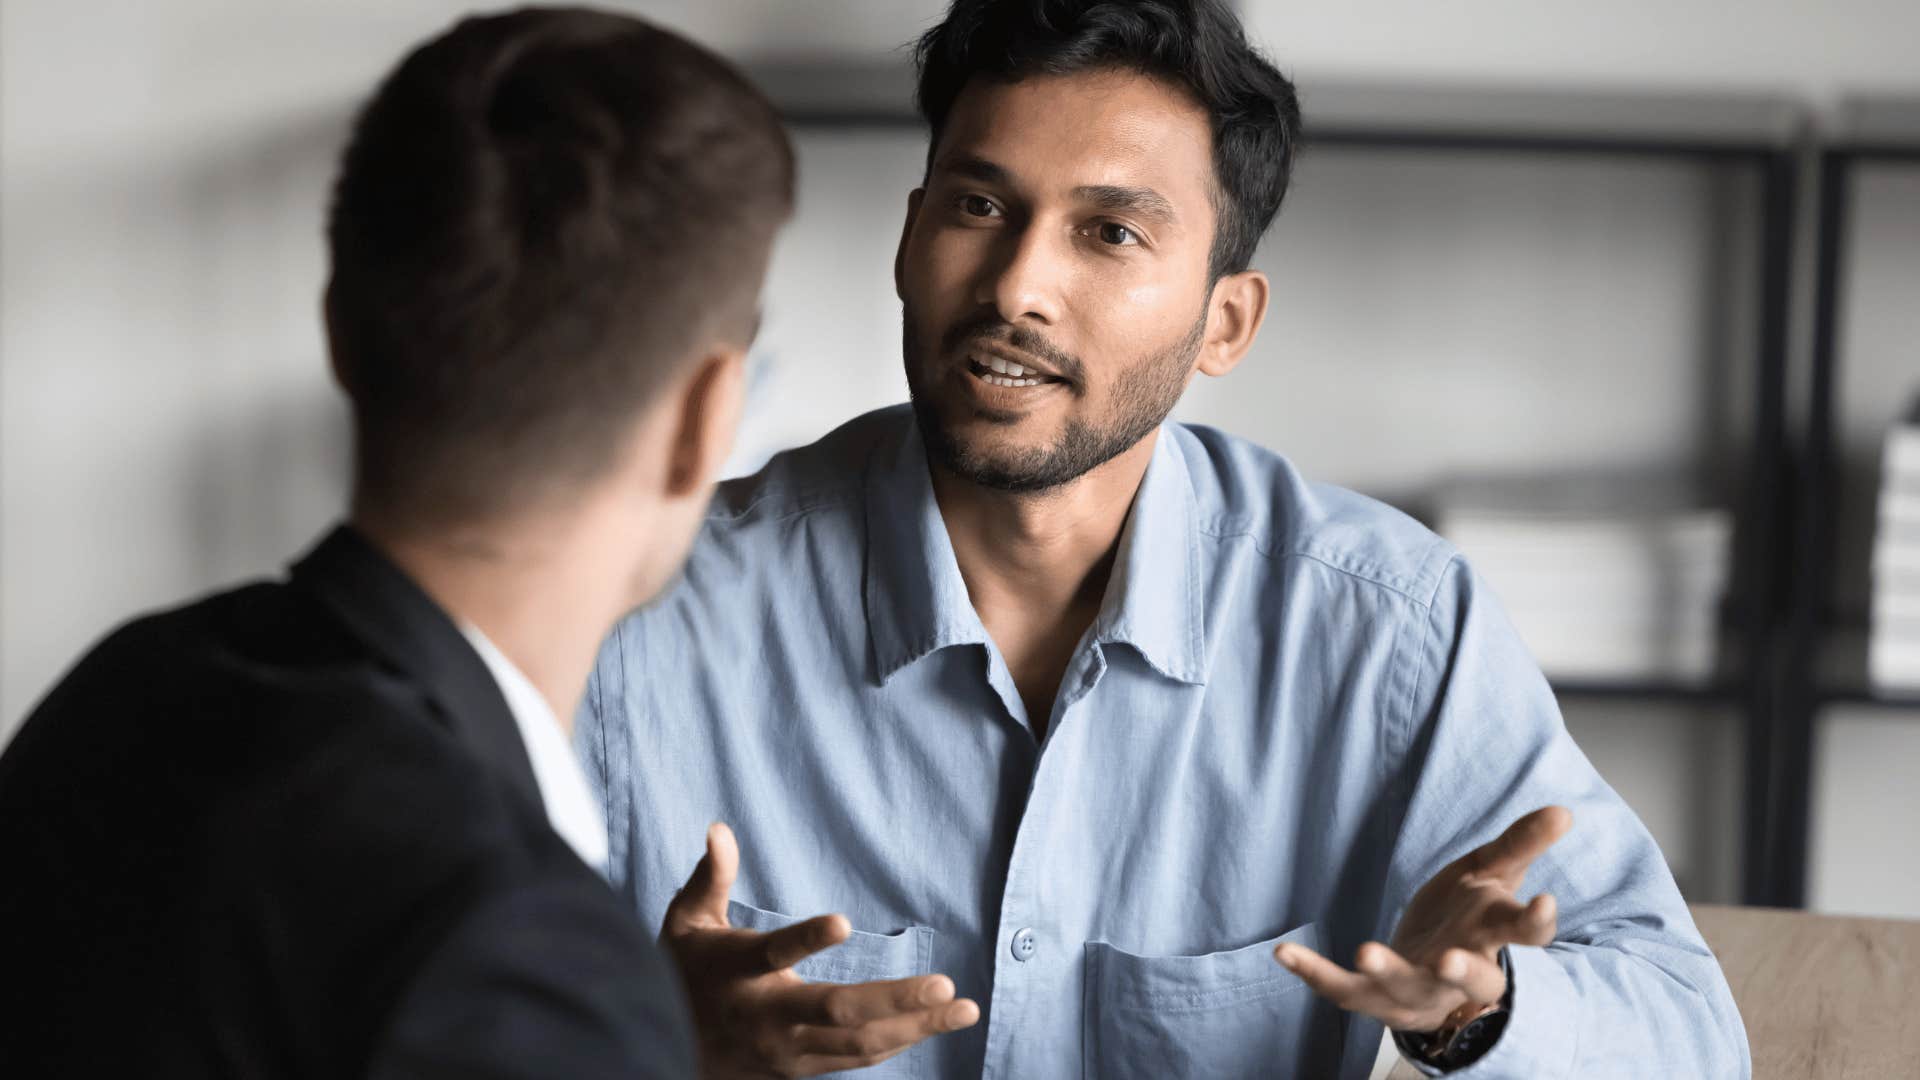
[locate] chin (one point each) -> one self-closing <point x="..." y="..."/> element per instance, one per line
<point x="997" y="439"/>
<point x="999" y="448"/>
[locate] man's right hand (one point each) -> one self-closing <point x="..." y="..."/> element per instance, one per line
<point x="754" y="1017"/>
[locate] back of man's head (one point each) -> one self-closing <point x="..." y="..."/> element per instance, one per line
<point x="541" y="218"/>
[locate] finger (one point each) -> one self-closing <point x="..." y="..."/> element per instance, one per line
<point x="703" y="900"/>
<point x="1508" y="855"/>
<point x="1479" y="978"/>
<point x="789" y="945"/>
<point x="1407" y="985"/>
<point x="1539" y="922"/>
<point x="1509" y="922"/>
<point x="1328" y="979"/>
<point x="1493" y="924"/>
<point x="850" y="1005"/>
<point x="880" y="1039"/>
<point x="1352" y="991"/>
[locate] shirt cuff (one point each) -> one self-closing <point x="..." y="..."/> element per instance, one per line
<point x="1538" y="1042"/>
<point x="1541" y="1033"/>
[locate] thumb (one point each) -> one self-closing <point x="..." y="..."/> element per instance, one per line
<point x="703" y="900"/>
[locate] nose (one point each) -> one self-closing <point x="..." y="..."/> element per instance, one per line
<point x="1023" y="281"/>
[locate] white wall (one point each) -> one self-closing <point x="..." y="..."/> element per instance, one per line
<point x="1814" y="48"/>
<point x="166" y="423"/>
<point x="1865" y="804"/>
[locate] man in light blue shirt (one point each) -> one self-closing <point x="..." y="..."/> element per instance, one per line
<point x="1119" y="728"/>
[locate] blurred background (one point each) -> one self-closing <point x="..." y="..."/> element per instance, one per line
<point x="1624" y="298"/>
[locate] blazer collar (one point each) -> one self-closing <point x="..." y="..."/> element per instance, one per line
<point x="381" y="606"/>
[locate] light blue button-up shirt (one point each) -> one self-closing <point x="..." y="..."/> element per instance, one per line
<point x="1295" y="706"/>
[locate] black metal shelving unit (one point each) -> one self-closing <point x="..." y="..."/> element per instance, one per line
<point x="1763" y="135"/>
<point x="1825" y="651"/>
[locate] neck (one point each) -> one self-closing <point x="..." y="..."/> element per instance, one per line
<point x="1045" y="556"/>
<point x="542" y="590"/>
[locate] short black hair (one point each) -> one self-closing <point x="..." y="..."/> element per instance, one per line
<point x="538" y="217"/>
<point x="1196" y="44"/>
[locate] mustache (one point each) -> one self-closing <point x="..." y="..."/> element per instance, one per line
<point x="991" y="329"/>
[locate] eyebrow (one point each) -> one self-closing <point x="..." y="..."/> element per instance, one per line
<point x="975" y="168"/>
<point x="1143" y="201"/>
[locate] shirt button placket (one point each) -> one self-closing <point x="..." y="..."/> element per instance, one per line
<point x="1011" y="1051"/>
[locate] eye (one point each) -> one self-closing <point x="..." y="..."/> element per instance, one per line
<point x="1115" y="234"/>
<point x="978" y="206"/>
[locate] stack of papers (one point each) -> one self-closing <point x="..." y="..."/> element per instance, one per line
<point x="1893" y="650"/>
<point x="1606" y="579"/>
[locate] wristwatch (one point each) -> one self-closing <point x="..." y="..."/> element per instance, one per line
<point x="1467" y="1033"/>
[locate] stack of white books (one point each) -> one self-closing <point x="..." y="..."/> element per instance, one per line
<point x="1607" y="579"/>
<point x="1893" y="650"/>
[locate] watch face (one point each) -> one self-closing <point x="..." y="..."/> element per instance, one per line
<point x="1474" y="1039"/>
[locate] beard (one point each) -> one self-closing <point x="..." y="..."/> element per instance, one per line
<point x="1143" y="396"/>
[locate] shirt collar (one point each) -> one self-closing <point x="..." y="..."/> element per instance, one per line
<point x="917" y="602"/>
<point x="1153" y="599"/>
<point x="563" y="786"/>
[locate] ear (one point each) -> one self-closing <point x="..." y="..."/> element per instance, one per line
<point x="1238" y="307"/>
<point x="709" y="405"/>
<point x="914" y="199"/>
<point x="330" y="319"/>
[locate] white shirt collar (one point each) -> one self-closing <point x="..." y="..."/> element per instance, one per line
<point x="571" y="807"/>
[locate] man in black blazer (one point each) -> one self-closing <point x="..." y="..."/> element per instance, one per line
<point x="330" y="826"/>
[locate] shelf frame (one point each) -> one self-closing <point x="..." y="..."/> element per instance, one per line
<point x="1874" y="132"/>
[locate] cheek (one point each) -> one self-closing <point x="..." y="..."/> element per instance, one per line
<point x="1148" y="298"/>
<point x="940" y="261"/>
<point x="1128" y="320"/>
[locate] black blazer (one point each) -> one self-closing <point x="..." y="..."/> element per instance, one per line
<point x="291" y="830"/>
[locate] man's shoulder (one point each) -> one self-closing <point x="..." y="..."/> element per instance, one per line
<point x="1247" y="492"/>
<point x="804" y="512"/>
<point x="141" y="680"/>
<point x="305" y="750"/>
<point x="827" y="474"/>
<point x="260" y="703"/>
<point x="238" y="755"/>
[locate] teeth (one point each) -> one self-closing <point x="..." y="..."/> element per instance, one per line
<point x="997" y="380"/>
<point x="1006" y="367"/>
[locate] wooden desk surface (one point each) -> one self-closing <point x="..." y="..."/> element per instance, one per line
<point x="1824" y="998"/>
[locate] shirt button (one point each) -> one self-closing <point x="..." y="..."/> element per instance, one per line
<point x="1023" y="945"/>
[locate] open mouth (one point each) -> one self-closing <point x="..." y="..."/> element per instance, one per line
<point x="996" y="371"/>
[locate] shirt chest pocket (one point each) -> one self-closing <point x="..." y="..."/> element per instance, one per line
<point x="863" y="957"/>
<point x="1225" y="1014"/>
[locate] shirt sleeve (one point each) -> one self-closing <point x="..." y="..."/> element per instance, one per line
<point x="1628" y="988"/>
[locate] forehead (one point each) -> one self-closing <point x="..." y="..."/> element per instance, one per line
<point x="1108" y="127"/>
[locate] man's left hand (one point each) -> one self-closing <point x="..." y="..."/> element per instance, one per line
<point x="1446" y="951"/>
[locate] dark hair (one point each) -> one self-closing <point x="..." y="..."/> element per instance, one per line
<point x="539" y="215"/>
<point x="1196" y="44"/>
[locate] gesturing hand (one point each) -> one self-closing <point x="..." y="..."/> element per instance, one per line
<point x="1446" y="951"/>
<point x="754" y="1017"/>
